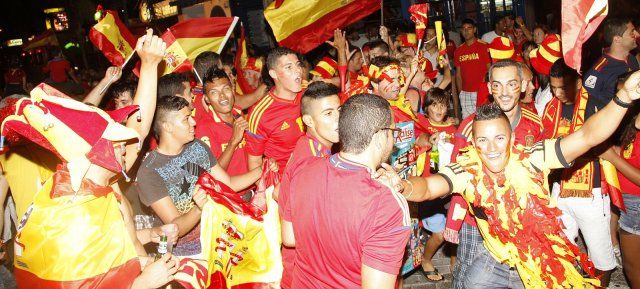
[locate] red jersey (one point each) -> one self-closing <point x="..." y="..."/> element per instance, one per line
<point x="342" y="219"/>
<point x="306" y="147"/>
<point x="216" y="133"/>
<point x="58" y="69"/>
<point x="483" y="94"/>
<point x="275" y="125"/>
<point x="527" y="131"/>
<point x="433" y="128"/>
<point x="473" y="61"/>
<point x="631" y="154"/>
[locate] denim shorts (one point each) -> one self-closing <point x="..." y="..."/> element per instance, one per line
<point x="630" y="220"/>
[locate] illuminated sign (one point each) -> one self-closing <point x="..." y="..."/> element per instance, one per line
<point x="57" y="19"/>
<point x="53" y="10"/>
<point x="164" y="9"/>
<point x="14" y="42"/>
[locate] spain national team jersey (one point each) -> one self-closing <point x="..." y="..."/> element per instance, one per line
<point x="448" y="128"/>
<point x="601" y="80"/>
<point x="216" y="133"/>
<point x="275" y="125"/>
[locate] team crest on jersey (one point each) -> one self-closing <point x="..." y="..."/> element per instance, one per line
<point x="284" y="126"/>
<point x="528" y="140"/>
<point x="591" y="81"/>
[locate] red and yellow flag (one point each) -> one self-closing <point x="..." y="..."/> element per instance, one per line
<point x="302" y="25"/>
<point x="70" y="239"/>
<point x="419" y="16"/>
<point x="113" y="38"/>
<point x="580" y="19"/>
<point x="203" y="34"/>
<point x="242" y="57"/>
<point x="176" y="59"/>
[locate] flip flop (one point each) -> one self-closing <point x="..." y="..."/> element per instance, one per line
<point x="432" y="273"/>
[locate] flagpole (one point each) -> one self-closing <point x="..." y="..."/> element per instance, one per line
<point x="381" y="12"/>
<point x="113" y="75"/>
<point x="198" y="76"/>
<point x="226" y="37"/>
<point x="419" y="44"/>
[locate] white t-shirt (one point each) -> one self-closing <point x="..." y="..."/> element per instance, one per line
<point x="489" y="36"/>
<point x="542" y="98"/>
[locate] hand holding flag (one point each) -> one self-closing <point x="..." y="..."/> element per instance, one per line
<point x="113" y="39"/>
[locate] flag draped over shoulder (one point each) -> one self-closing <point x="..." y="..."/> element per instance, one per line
<point x="580" y="19"/>
<point x="240" y="240"/>
<point x="113" y="38"/>
<point x="302" y="25"/>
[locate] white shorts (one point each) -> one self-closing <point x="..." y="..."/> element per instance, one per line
<point x="468" y="101"/>
<point x="592" y="217"/>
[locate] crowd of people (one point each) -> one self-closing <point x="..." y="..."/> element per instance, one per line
<point x="507" y="150"/>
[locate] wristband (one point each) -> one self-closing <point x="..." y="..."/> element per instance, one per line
<point x="410" y="193"/>
<point x="621" y="103"/>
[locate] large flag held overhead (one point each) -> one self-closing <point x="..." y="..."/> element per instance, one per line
<point x="302" y="25"/>
<point x="580" y="19"/>
<point x="113" y="38"/>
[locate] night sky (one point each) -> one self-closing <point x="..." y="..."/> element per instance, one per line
<point x="22" y="18"/>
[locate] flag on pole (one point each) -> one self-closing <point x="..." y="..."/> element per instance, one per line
<point x="580" y="19"/>
<point x="203" y="34"/>
<point x="242" y="57"/>
<point x="175" y="59"/>
<point x="113" y="38"/>
<point x="419" y="17"/>
<point x="441" y="41"/>
<point x="302" y="25"/>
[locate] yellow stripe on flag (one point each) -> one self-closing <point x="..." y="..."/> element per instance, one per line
<point x="194" y="46"/>
<point x="107" y="26"/>
<point x="293" y="15"/>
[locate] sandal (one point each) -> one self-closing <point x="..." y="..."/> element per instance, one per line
<point x="432" y="273"/>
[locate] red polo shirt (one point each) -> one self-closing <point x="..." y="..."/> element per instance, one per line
<point x="472" y="60"/>
<point x="216" y="133"/>
<point x="275" y="125"/>
<point x="306" y="147"/>
<point x="342" y="219"/>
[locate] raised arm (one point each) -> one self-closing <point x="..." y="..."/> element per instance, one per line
<point x="151" y="50"/>
<point x="247" y="100"/>
<point x="414" y="189"/>
<point x="95" y="96"/>
<point x="600" y="126"/>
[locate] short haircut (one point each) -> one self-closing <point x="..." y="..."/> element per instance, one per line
<point x="361" y="117"/>
<point x="436" y="95"/>
<point x="214" y="73"/>
<point x="205" y="61"/>
<point x="378" y="43"/>
<point x="275" y="54"/>
<point x="172" y="84"/>
<point x="469" y="21"/>
<point x="490" y="111"/>
<point x="316" y="91"/>
<point x="121" y="87"/>
<point x="503" y="64"/>
<point x="166" y="105"/>
<point x="614" y="27"/>
<point x="561" y="69"/>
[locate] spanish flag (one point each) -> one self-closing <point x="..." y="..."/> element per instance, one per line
<point x="70" y="239"/>
<point x="175" y="59"/>
<point x="113" y="38"/>
<point x="302" y="25"/>
<point x="580" y="19"/>
<point x="240" y="240"/>
<point x="241" y="60"/>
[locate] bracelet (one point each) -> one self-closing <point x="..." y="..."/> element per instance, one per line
<point x="410" y="193"/>
<point x="621" y="103"/>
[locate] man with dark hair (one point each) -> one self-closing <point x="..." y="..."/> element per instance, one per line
<point x="274" y="121"/>
<point x="506" y="84"/>
<point x="122" y="93"/>
<point x="320" y="106"/>
<point x="339" y="197"/>
<point x="60" y="73"/>
<point x="205" y="61"/>
<point x="378" y="48"/>
<point x="472" y="60"/>
<point x="168" y="174"/>
<point x="175" y="84"/>
<point x="500" y="27"/>
<point x="600" y="81"/>
<point x="505" y="186"/>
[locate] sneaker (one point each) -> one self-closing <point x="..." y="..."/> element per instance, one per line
<point x="616" y="251"/>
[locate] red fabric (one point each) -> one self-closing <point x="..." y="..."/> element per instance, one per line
<point x="202" y="27"/>
<point x="58" y="69"/>
<point x="419" y="16"/>
<point x="400" y="116"/>
<point x="451" y="49"/>
<point x="109" y="49"/>
<point x="14" y="77"/>
<point x="472" y="60"/>
<point x="240" y="53"/>
<point x="171" y="39"/>
<point x="309" y="37"/>
<point x="483" y="94"/>
<point x="577" y="28"/>
<point x="120" y="277"/>
<point x="306" y="147"/>
<point x="633" y="158"/>
<point x="528" y="131"/>
<point x="215" y="132"/>
<point x="222" y="194"/>
<point x="433" y="128"/>
<point x="277" y="125"/>
<point x="336" y="197"/>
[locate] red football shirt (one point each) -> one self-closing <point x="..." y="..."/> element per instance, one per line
<point x="57" y="69"/>
<point x="472" y="60"/>
<point x="216" y="133"/>
<point x="527" y="132"/>
<point x="433" y="128"/>
<point x="632" y="155"/>
<point x="275" y="125"/>
<point x="342" y="218"/>
<point x="306" y="147"/>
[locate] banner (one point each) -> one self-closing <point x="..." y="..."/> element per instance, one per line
<point x="113" y="38"/>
